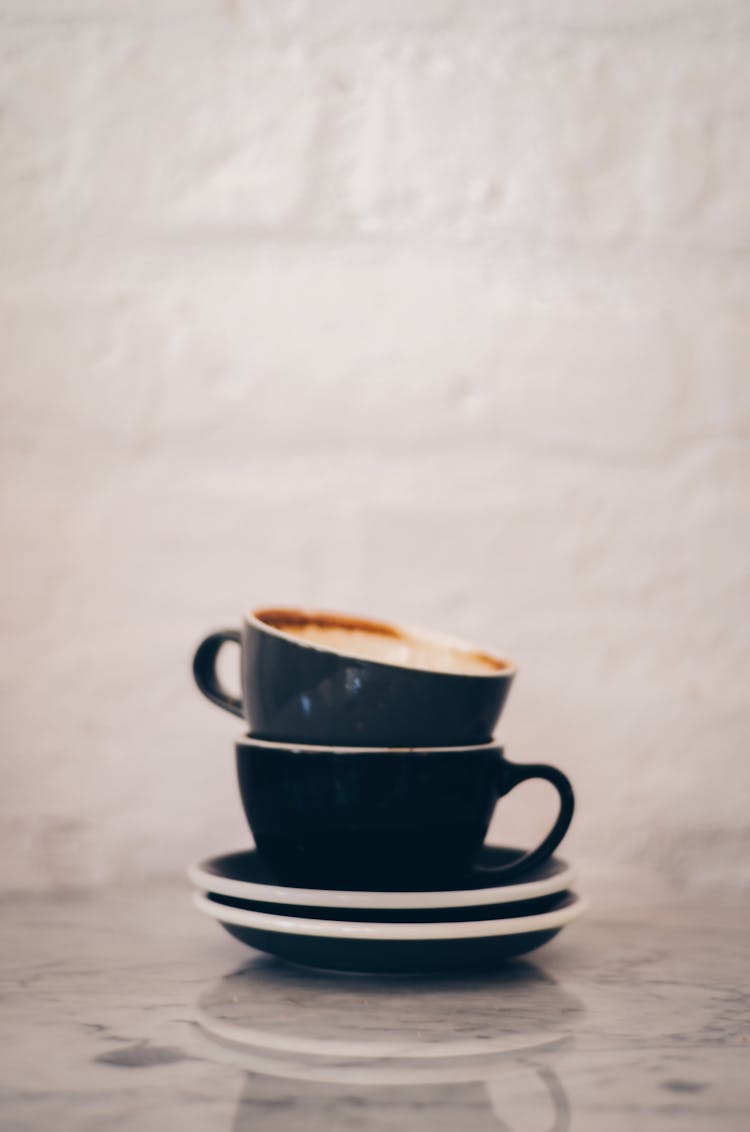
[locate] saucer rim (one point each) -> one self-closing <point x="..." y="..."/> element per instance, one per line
<point x="201" y="878"/>
<point x="420" y="933"/>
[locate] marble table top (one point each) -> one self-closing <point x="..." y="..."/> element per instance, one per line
<point x="127" y="1010"/>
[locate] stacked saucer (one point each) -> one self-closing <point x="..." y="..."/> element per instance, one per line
<point x="389" y="930"/>
<point x="368" y="781"/>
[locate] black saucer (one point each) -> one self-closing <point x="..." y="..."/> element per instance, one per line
<point x="505" y="911"/>
<point x="244" y="876"/>
<point x="377" y="946"/>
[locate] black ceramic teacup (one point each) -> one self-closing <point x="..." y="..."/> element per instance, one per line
<point x="329" y="678"/>
<point x="367" y="818"/>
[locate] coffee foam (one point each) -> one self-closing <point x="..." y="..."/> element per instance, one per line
<point x="383" y="643"/>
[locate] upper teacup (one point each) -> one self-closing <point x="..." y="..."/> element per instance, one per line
<point x="338" y="679"/>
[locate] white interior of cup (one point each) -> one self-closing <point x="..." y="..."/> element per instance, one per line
<point x="381" y="642"/>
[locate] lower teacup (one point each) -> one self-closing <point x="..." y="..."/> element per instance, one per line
<point x="382" y="817"/>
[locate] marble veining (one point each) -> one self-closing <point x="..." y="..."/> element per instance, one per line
<point x="126" y="1010"/>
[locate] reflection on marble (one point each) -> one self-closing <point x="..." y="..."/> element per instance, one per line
<point x="126" y="1010"/>
<point x="430" y="1091"/>
<point x="443" y="1107"/>
<point x="276" y="1006"/>
<point x="388" y="1043"/>
<point x="370" y="1071"/>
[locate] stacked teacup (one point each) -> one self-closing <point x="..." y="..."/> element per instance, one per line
<point x="368" y="778"/>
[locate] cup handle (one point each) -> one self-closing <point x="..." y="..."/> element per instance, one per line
<point x="204" y="670"/>
<point x="511" y="775"/>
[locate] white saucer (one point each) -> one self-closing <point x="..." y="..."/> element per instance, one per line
<point x="243" y="876"/>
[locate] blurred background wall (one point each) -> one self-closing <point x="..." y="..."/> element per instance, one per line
<point x="431" y="310"/>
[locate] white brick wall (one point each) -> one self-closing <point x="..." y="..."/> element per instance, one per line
<point x="428" y="310"/>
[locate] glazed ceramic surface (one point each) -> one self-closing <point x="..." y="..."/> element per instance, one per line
<point x="326" y="817"/>
<point x="391" y="947"/>
<point x="244" y="875"/>
<point x="315" y="688"/>
<point x="507" y="910"/>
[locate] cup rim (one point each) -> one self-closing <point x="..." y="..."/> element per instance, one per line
<point x="504" y="669"/>
<point x="250" y="741"/>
